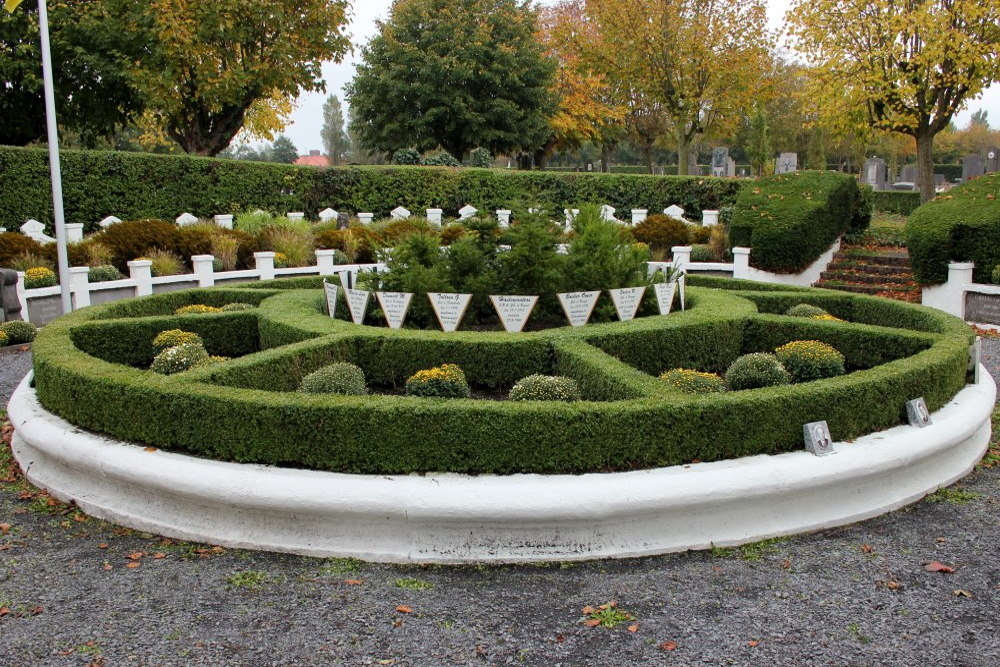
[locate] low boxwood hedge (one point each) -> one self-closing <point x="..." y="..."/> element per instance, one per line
<point x="962" y="225"/>
<point x="248" y="410"/>
<point x="790" y="220"/>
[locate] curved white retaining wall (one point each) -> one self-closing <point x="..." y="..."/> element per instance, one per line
<point x="455" y="519"/>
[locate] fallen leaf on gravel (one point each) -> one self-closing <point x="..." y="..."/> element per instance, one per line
<point x="560" y="639"/>
<point x="354" y="582"/>
<point x="80" y="518"/>
<point x="669" y="646"/>
<point x="963" y="594"/>
<point x="387" y="662"/>
<point x="940" y="539"/>
<point x="592" y="622"/>
<point x="588" y="610"/>
<point x="866" y="548"/>
<point x="752" y="643"/>
<point x="136" y="555"/>
<point x="132" y="564"/>
<point x="634" y="627"/>
<point x="936" y="566"/>
<point x="4" y="528"/>
<point x="4" y="611"/>
<point x="149" y="449"/>
<point x="404" y="609"/>
<point x="218" y="550"/>
<point x="107" y="566"/>
<point x="4" y="547"/>
<point x="787" y="564"/>
<point x="159" y="554"/>
<point x="893" y="585"/>
<point x="34" y="611"/>
<point x="102" y="545"/>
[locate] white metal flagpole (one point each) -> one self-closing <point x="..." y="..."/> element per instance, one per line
<point x="53" y="132"/>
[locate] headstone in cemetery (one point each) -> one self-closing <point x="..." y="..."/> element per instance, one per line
<point x="608" y="213"/>
<point x="720" y="161"/>
<point x="366" y="218"/>
<point x="331" y="298"/>
<point x="394" y="306"/>
<point x="467" y="212"/>
<point x="787" y="163"/>
<point x="327" y="214"/>
<point x="571" y="216"/>
<point x="874" y="173"/>
<point x="296" y="216"/>
<point x="514" y="310"/>
<point x="983" y="308"/>
<point x="665" y="296"/>
<point x="185" y="219"/>
<point x="224" y="220"/>
<point x="917" y="413"/>
<point x="973" y="166"/>
<point x="818" y="438"/>
<point x="908" y="174"/>
<point x="10" y="305"/>
<point x="357" y="303"/>
<point x="35" y="230"/>
<point x="399" y="213"/>
<point x="939" y="180"/>
<point x="675" y="212"/>
<point x="638" y="215"/>
<point x="992" y="160"/>
<point x="434" y="215"/>
<point x="578" y="306"/>
<point x="627" y="301"/>
<point x="343" y="220"/>
<point x="449" y="308"/>
<point x="108" y="221"/>
<point x="503" y="217"/>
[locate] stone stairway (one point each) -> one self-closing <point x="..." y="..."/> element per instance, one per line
<point x="865" y="270"/>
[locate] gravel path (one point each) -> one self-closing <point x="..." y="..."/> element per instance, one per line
<point x="854" y="596"/>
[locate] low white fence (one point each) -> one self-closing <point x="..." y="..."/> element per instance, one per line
<point x="962" y="297"/>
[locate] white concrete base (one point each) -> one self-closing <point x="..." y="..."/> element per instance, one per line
<point x="809" y="275"/>
<point x="450" y="518"/>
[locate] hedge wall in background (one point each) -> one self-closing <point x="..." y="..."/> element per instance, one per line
<point x="900" y="203"/>
<point x="133" y="186"/>
<point x="791" y="219"/>
<point x="962" y="225"/>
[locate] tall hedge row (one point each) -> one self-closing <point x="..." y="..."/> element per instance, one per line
<point x="962" y="225"/>
<point x="899" y="203"/>
<point x="97" y="184"/>
<point x="790" y="220"/>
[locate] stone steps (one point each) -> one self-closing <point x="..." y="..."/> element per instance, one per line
<point x="854" y="276"/>
<point x="865" y="271"/>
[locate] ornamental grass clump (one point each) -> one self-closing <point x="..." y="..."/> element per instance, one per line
<point x="753" y="371"/>
<point x="808" y="360"/>
<point x="39" y="276"/>
<point x="103" y="273"/>
<point x="545" y="388"/>
<point x="805" y="310"/>
<point x="694" y="382"/>
<point x="445" y="381"/>
<point x="19" y="332"/>
<point x="339" y="378"/>
<point x="197" y="309"/>
<point x="179" y="359"/>
<point x="174" y="337"/>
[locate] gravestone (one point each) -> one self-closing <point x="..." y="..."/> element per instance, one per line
<point x="720" y="162"/>
<point x="578" y="306"/>
<point x="295" y="216"/>
<point x="675" y="212"/>
<point x="366" y="218"/>
<point x="874" y="173"/>
<point x="608" y="213"/>
<point x="343" y="220"/>
<point x="357" y="303"/>
<point x="185" y="219"/>
<point x="449" y="308"/>
<point x="503" y="217"/>
<point x="992" y="160"/>
<point x="818" y="438"/>
<point x="627" y="301"/>
<point x="787" y="163"/>
<point x="327" y="214"/>
<point x="35" y="230"/>
<point x="331" y="298"/>
<point x="108" y="221"/>
<point x="434" y="215"/>
<point x="638" y="215"/>
<point x="908" y="174"/>
<point x="571" y="216"/>
<point x="982" y="308"/>
<point x="939" y="181"/>
<point x="223" y="220"/>
<point x="917" y="413"/>
<point x="394" y="306"/>
<point x="973" y="166"/>
<point x="514" y="310"/>
<point x="10" y="305"/>
<point x="665" y="296"/>
<point x="467" y="212"/>
<point x="399" y="213"/>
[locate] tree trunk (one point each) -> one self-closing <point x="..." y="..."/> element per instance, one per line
<point x="605" y="158"/>
<point x="647" y="156"/>
<point x="683" y="148"/>
<point x="925" y="165"/>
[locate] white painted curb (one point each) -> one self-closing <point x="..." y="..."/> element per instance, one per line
<point x="449" y="518"/>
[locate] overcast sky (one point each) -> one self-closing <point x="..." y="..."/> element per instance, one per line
<point x="307" y="119"/>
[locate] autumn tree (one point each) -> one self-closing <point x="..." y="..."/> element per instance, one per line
<point x="335" y="140"/>
<point x="455" y="74"/>
<point x="205" y="65"/>
<point x="904" y="66"/>
<point x="699" y="59"/>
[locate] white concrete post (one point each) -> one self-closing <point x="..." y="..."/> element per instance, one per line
<point x="80" y="284"/>
<point x="296" y="216"/>
<point x="265" y="264"/>
<point x="682" y="256"/>
<point x="22" y="296"/>
<point x="366" y="218"/>
<point x="709" y="218"/>
<point x="324" y="262"/>
<point x="503" y="217"/>
<point x="225" y="221"/>
<point x="741" y="263"/>
<point x="639" y="215"/>
<point x="204" y="270"/>
<point x="141" y="271"/>
<point x="74" y="232"/>
<point x="950" y="296"/>
<point x="434" y="215"/>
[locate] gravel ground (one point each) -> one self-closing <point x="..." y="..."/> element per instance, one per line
<point x="76" y="591"/>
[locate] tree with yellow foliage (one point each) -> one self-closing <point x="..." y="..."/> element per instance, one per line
<point x="905" y="66"/>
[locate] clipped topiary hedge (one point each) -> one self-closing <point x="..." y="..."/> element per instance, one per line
<point x="962" y="225"/>
<point x="899" y="203"/>
<point x="136" y="186"/>
<point x="790" y="220"/>
<point x="248" y="409"/>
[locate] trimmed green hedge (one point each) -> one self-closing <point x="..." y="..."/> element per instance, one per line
<point x="135" y="186"/>
<point x="962" y="225"/>
<point x="790" y="220"/>
<point x="246" y="409"/>
<point x="899" y="203"/>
